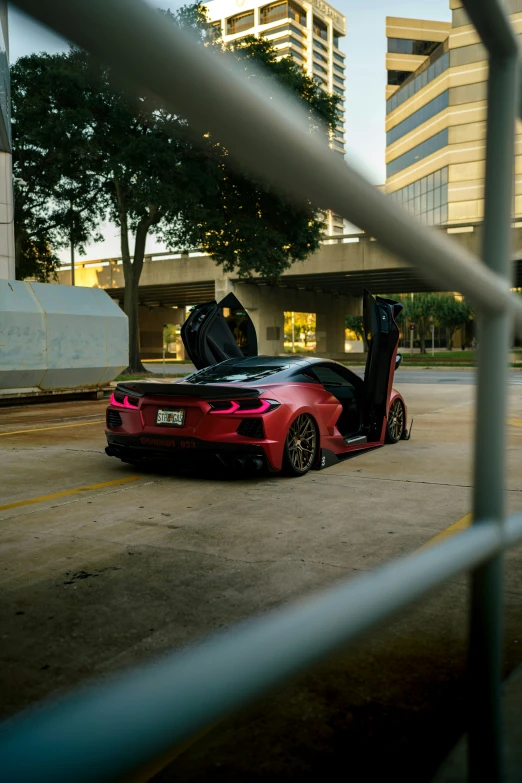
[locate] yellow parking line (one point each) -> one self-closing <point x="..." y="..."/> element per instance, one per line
<point x="452" y="530"/>
<point x="90" y="487"/>
<point x="56" y="427"/>
<point x="515" y="422"/>
<point x="155" y="766"/>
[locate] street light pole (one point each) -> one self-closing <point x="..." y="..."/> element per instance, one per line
<point x="72" y="261"/>
<point x="412" y="329"/>
<point x="71" y="239"/>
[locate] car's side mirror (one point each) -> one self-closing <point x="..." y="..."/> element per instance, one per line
<point x="398" y="360"/>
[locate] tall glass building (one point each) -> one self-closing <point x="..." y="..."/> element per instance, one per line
<point x="436" y="117"/>
<point x="308" y="32"/>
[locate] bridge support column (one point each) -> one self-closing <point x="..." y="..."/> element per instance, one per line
<point x="330" y="329"/>
<point x="152" y="321"/>
<point x="265" y="308"/>
<point x="330" y="323"/>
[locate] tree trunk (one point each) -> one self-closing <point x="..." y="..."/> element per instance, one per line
<point x="132" y="272"/>
<point x="422" y="342"/>
<point x="19" y="241"/>
<point x="130" y="307"/>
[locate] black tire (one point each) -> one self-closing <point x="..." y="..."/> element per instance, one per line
<point x="396" y="422"/>
<point x="301" y="445"/>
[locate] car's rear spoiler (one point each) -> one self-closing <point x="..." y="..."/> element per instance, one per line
<point x="204" y="391"/>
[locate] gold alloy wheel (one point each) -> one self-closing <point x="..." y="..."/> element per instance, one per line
<point x="396" y="420"/>
<point x="301" y="443"/>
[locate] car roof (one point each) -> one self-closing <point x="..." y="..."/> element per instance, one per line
<point x="247" y="370"/>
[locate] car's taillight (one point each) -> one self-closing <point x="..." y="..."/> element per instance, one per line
<point x="243" y="406"/>
<point x="120" y="400"/>
<point x="223" y="406"/>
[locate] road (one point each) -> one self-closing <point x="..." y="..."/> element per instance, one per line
<point x="105" y="566"/>
<point x="464" y="376"/>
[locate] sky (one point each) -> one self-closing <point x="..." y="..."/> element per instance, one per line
<point x="365" y="49"/>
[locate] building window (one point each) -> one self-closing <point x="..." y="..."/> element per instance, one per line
<point x="271" y="13"/>
<point x="338" y="69"/>
<point x="297" y="55"/>
<point x="236" y="24"/>
<point x="339" y="92"/>
<point x="428" y="111"/>
<point x="215" y="31"/>
<point x="320" y="29"/>
<point x="320" y="46"/>
<point x="293" y="41"/>
<point x="320" y="68"/>
<point x="321" y="58"/>
<point x="297" y="13"/>
<point x="336" y="37"/>
<point x="284" y="27"/>
<point x="405" y="46"/>
<point x="398" y="77"/>
<point x="339" y="57"/>
<point x="426" y="199"/>
<point x="275" y="11"/>
<point x="417" y="82"/>
<point x="419" y="152"/>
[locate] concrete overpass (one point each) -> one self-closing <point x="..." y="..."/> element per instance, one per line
<point x="329" y="283"/>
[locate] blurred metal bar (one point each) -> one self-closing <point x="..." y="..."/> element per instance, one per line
<point x="103" y="732"/>
<point x="493" y="26"/>
<point x="485" y="736"/>
<point x="265" y="130"/>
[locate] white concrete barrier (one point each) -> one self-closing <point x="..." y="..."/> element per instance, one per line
<point x="58" y="339"/>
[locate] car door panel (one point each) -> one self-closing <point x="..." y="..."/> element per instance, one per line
<point x="382" y="335"/>
<point x="208" y="338"/>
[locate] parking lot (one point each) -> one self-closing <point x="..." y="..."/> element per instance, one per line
<point x="105" y="566"/>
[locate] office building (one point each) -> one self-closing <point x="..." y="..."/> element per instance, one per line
<point x="436" y="118"/>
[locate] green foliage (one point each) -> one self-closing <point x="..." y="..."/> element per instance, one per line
<point x="355" y="324"/>
<point x="445" y="310"/>
<point x="34" y="257"/>
<point x="304" y="325"/>
<point x="58" y="183"/>
<point x="258" y="59"/>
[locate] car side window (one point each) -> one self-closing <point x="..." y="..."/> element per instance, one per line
<point x="329" y="376"/>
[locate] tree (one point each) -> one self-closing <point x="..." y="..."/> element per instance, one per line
<point x="245" y="226"/>
<point x="302" y="326"/>
<point x="355" y="324"/>
<point x="421" y="309"/>
<point x="427" y="308"/>
<point x="453" y="313"/>
<point x="153" y="175"/>
<point x="58" y="186"/>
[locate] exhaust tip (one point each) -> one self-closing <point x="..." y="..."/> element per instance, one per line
<point x="255" y="463"/>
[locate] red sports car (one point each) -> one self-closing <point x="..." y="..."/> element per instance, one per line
<point x="249" y="412"/>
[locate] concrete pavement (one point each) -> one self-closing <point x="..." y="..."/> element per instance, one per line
<point x="111" y="566"/>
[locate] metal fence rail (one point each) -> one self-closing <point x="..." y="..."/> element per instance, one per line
<point x="105" y="732"/>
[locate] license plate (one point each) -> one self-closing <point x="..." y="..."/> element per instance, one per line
<point x="175" y="418"/>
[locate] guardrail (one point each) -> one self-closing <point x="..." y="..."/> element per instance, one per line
<point x="105" y="732"/>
